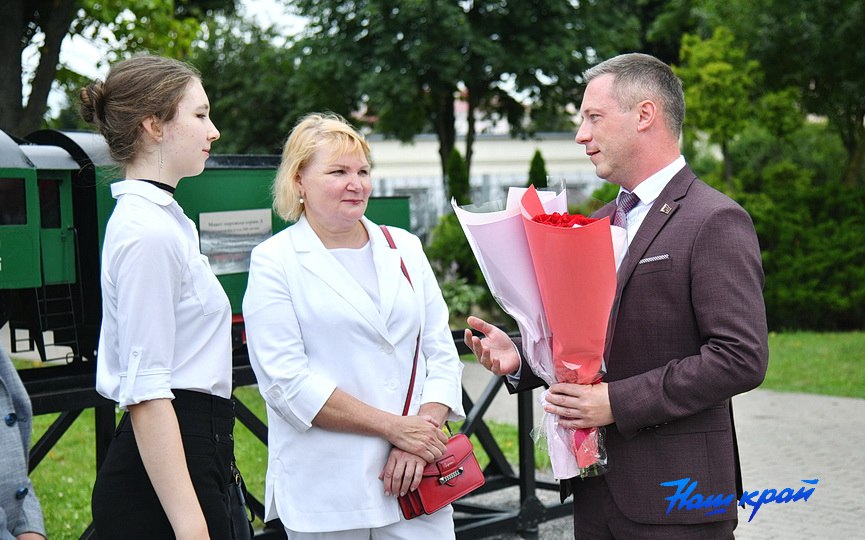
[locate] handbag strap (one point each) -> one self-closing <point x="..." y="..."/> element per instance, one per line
<point x="392" y="245"/>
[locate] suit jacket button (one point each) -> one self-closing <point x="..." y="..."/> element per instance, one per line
<point x="10" y="419"/>
<point x="21" y="493"/>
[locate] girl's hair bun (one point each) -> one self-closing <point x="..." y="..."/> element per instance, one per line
<point x="92" y="104"/>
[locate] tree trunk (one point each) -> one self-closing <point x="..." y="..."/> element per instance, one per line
<point x="442" y="116"/>
<point x="857" y="157"/>
<point x="470" y="132"/>
<point x="55" y="19"/>
<point x="11" y="31"/>
<point x="55" y="26"/>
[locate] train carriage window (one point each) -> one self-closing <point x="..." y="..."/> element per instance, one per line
<point x="49" y="202"/>
<point x="13" y="210"/>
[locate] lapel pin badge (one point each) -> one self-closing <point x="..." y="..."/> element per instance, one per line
<point x="666" y="209"/>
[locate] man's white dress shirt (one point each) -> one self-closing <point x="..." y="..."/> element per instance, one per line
<point x="647" y="191"/>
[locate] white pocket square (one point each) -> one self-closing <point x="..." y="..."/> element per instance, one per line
<point x="656" y="258"/>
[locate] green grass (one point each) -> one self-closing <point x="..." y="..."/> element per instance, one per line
<point x="831" y="364"/>
<point x="817" y="363"/>
<point x="64" y="479"/>
<point x="25" y="364"/>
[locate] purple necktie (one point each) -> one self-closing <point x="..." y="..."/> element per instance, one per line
<point x="626" y="203"/>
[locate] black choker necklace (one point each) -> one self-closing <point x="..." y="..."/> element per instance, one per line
<point x="160" y="185"/>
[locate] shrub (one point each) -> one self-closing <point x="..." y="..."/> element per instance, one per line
<point x="537" y="171"/>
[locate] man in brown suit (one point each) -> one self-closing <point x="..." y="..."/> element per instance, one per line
<point x="687" y="332"/>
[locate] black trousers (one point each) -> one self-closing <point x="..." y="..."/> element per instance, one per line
<point x="124" y="503"/>
<point x="597" y="517"/>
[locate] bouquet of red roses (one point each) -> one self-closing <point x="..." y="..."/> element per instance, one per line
<point x="577" y="355"/>
<point x="555" y="273"/>
<point x="575" y="267"/>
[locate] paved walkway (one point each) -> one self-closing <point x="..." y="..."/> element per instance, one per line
<point x="783" y="439"/>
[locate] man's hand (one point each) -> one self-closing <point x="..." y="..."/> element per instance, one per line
<point x="495" y="351"/>
<point x="580" y="405"/>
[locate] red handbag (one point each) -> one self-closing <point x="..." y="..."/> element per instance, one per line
<point x="453" y="475"/>
<point x="450" y="477"/>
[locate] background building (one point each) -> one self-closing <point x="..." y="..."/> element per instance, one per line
<point x="498" y="162"/>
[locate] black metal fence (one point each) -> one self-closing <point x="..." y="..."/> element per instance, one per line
<point x="69" y="390"/>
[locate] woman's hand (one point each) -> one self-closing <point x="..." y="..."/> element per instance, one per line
<point x="418" y="436"/>
<point x="402" y="472"/>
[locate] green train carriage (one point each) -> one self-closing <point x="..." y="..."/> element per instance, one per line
<point x="19" y="217"/>
<point x="37" y="244"/>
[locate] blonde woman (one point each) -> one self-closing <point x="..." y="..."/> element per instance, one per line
<point x="332" y="326"/>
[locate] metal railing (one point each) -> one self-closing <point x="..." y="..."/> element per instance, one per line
<point x="69" y="390"/>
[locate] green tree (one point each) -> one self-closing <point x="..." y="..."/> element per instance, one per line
<point x="456" y="268"/>
<point x="816" y="47"/>
<point x="720" y="87"/>
<point x="68" y="118"/>
<point x="523" y="61"/>
<point x="411" y="59"/>
<point x="649" y="26"/>
<point x="813" y="262"/>
<point x="537" y="171"/>
<point x="458" y="178"/>
<point x="166" y="27"/>
<point x="399" y="64"/>
<point x="806" y="220"/>
<point x="605" y="193"/>
<point x="249" y="79"/>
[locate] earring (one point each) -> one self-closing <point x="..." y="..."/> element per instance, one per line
<point x="301" y="200"/>
<point x="161" y="162"/>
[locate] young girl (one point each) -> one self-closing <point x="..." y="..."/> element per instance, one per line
<point x="165" y="347"/>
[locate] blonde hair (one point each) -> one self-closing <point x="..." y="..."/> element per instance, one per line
<point x="311" y="132"/>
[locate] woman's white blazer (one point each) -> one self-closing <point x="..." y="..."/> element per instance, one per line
<point x="311" y="328"/>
